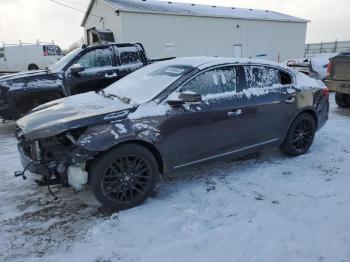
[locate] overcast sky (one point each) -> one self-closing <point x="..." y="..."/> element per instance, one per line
<point x="29" y="20"/>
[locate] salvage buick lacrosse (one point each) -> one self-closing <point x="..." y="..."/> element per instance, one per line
<point x="167" y="116"/>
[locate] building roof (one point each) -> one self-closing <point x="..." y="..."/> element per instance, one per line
<point x="172" y="8"/>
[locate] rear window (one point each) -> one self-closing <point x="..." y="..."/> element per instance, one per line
<point x="264" y="76"/>
<point x="261" y="76"/>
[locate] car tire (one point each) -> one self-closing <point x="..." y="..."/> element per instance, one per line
<point x="124" y="177"/>
<point x="300" y="135"/>
<point x="342" y="100"/>
<point x="33" y="67"/>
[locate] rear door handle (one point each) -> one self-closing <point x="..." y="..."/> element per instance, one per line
<point x="237" y="112"/>
<point x="111" y="76"/>
<point x="290" y="100"/>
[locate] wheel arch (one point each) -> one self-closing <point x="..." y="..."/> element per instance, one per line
<point x="149" y="146"/>
<point x="33" y="66"/>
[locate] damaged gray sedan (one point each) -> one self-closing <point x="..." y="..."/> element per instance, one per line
<point x="167" y="116"/>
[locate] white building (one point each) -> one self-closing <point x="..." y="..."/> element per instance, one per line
<point x="169" y="29"/>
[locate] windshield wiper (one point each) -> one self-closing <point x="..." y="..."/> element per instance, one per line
<point x="123" y="99"/>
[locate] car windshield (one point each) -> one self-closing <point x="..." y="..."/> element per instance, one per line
<point x="146" y="83"/>
<point x="60" y="64"/>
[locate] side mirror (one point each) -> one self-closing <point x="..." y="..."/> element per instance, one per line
<point x="291" y="63"/>
<point x="186" y="97"/>
<point x="76" y="69"/>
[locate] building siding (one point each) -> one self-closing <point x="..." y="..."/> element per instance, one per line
<point x="179" y="35"/>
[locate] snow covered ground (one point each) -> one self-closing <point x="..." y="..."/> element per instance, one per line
<point x="266" y="207"/>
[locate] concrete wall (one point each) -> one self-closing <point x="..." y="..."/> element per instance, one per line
<point x="175" y="35"/>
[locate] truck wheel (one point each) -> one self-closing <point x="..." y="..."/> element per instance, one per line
<point x="124" y="177"/>
<point x="300" y="136"/>
<point x="33" y="67"/>
<point x="342" y="100"/>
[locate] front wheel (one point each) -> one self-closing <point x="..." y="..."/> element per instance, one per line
<point x="300" y="135"/>
<point x="124" y="177"/>
<point x="342" y="100"/>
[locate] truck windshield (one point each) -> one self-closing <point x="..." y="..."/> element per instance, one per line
<point x="146" y="83"/>
<point x="60" y="64"/>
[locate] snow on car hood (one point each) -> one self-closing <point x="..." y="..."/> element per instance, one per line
<point x="31" y="79"/>
<point x="69" y="113"/>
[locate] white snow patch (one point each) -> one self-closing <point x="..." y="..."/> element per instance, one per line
<point x="149" y="109"/>
<point x="121" y="128"/>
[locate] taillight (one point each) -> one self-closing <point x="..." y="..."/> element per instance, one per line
<point x="45" y="53"/>
<point x="329" y="68"/>
<point x="326" y="92"/>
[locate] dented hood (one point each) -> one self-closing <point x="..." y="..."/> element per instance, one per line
<point x="69" y="113"/>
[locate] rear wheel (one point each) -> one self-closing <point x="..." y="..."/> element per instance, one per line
<point x="300" y="135"/>
<point x="342" y="100"/>
<point x="124" y="177"/>
<point x="33" y="67"/>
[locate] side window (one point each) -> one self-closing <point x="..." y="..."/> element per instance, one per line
<point x="58" y="50"/>
<point x="129" y="56"/>
<point x="96" y="58"/>
<point x="2" y="52"/>
<point x="286" y="79"/>
<point x="261" y="76"/>
<point x="214" y="81"/>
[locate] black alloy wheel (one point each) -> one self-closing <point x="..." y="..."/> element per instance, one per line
<point x="300" y="135"/>
<point x="124" y="177"/>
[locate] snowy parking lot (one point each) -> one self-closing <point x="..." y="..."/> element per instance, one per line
<point x="265" y="207"/>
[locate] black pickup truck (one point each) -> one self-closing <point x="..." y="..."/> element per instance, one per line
<point x="82" y="70"/>
<point x="338" y="79"/>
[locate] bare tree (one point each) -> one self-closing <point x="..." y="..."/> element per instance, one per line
<point x="75" y="45"/>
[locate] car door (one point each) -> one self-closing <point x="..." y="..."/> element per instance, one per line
<point x="213" y="127"/>
<point x="99" y="72"/>
<point x="269" y="104"/>
<point x="129" y="60"/>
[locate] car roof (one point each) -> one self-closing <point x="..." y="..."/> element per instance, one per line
<point x="205" y="62"/>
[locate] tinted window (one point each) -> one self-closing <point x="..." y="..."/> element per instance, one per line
<point x="96" y="58"/>
<point x="261" y="76"/>
<point x="2" y="52"/>
<point x="286" y="79"/>
<point x="214" y="81"/>
<point x="129" y="56"/>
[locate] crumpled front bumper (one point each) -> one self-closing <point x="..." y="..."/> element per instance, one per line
<point x="31" y="165"/>
<point x="33" y="160"/>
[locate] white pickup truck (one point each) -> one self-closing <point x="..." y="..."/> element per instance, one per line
<point x="23" y="57"/>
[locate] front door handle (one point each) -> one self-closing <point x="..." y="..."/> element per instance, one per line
<point x="111" y="76"/>
<point x="237" y="112"/>
<point x="290" y="100"/>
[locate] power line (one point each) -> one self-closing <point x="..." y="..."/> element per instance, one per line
<point x="74" y="3"/>
<point x="73" y="8"/>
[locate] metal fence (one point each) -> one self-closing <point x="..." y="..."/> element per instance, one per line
<point x="327" y="47"/>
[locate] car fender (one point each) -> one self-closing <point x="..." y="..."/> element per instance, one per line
<point x="104" y="137"/>
<point x="308" y="109"/>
